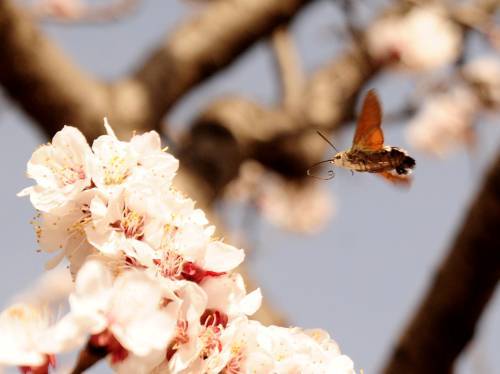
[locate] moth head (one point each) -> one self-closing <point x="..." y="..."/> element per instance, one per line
<point x="337" y="159"/>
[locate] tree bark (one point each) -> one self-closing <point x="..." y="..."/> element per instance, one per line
<point x="461" y="288"/>
<point x="53" y="91"/>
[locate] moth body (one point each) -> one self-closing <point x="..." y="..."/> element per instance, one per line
<point x="385" y="159"/>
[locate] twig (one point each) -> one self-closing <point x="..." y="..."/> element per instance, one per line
<point x="88" y="357"/>
<point x="289" y="68"/>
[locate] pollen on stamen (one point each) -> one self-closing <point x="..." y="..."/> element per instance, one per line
<point x="116" y="171"/>
<point x="171" y="264"/>
<point x="210" y="338"/>
<point x="235" y="362"/>
<point x="131" y="224"/>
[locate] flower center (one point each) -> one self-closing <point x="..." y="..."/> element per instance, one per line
<point x="115" y="171"/>
<point x="131" y="224"/>
<point x="171" y="265"/>
<point x="235" y="362"/>
<point x="210" y="339"/>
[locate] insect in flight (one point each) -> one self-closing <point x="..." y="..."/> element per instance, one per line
<point x="368" y="153"/>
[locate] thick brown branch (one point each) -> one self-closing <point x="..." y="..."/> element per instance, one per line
<point x="206" y="44"/>
<point x="38" y="76"/>
<point x="464" y="283"/>
<point x="48" y="86"/>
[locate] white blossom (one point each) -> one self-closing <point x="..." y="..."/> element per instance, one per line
<point x="273" y="349"/>
<point x="64" y="233"/>
<point x="29" y="339"/>
<point x="117" y="162"/>
<point x="424" y="38"/>
<point x="130" y="307"/>
<point x="154" y="289"/>
<point x="444" y="121"/>
<point x="61" y="170"/>
<point x="483" y="73"/>
<point x="227" y="294"/>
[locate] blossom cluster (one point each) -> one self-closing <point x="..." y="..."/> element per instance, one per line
<point x="154" y="290"/>
<point x="445" y="121"/>
<point x="423" y="38"/>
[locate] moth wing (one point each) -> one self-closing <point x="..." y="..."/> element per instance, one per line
<point x="369" y="135"/>
<point x="396" y="179"/>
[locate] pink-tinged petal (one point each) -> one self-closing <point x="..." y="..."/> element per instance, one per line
<point x="113" y="162"/>
<point x="138" y="320"/>
<point x="141" y="336"/>
<point x="251" y="302"/>
<point x="194" y="301"/>
<point x="225" y="293"/>
<point x="147" y="143"/>
<point x="92" y="292"/>
<point x="221" y="257"/>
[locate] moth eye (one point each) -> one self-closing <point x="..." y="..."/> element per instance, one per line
<point x="337" y="157"/>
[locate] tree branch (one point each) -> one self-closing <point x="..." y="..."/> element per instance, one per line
<point x="206" y="44"/>
<point x="464" y="283"/>
<point x="289" y="67"/>
<point x="53" y="91"/>
<point x="42" y="80"/>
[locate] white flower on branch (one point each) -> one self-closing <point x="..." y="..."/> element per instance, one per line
<point x="61" y="170"/>
<point x="116" y="163"/>
<point x="30" y="341"/>
<point x="483" y="73"/>
<point x="445" y="121"/>
<point x="154" y="289"/>
<point x="64" y="233"/>
<point x="227" y="294"/>
<point x="274" y="349"/>
<point x="424" y="38"/>
<point x="138" y="311"/>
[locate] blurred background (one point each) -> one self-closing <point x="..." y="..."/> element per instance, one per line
<point x="353" y="255"/>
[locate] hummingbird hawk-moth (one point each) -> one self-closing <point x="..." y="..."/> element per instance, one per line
<point x="368" y="153"/>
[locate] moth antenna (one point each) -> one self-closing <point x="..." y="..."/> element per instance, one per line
<point x="331" y="173"/>
<point x="326" y="140"/>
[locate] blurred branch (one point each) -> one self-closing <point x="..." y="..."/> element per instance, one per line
<point x="464" y="283"/>
<point x="53" y="91"/>
<point x="289" y="67"/>
<point x="348" y="7"/>
<point x="206" y="44"/>
<point x="42" y="80"/>
<point x="406" y="112"/>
